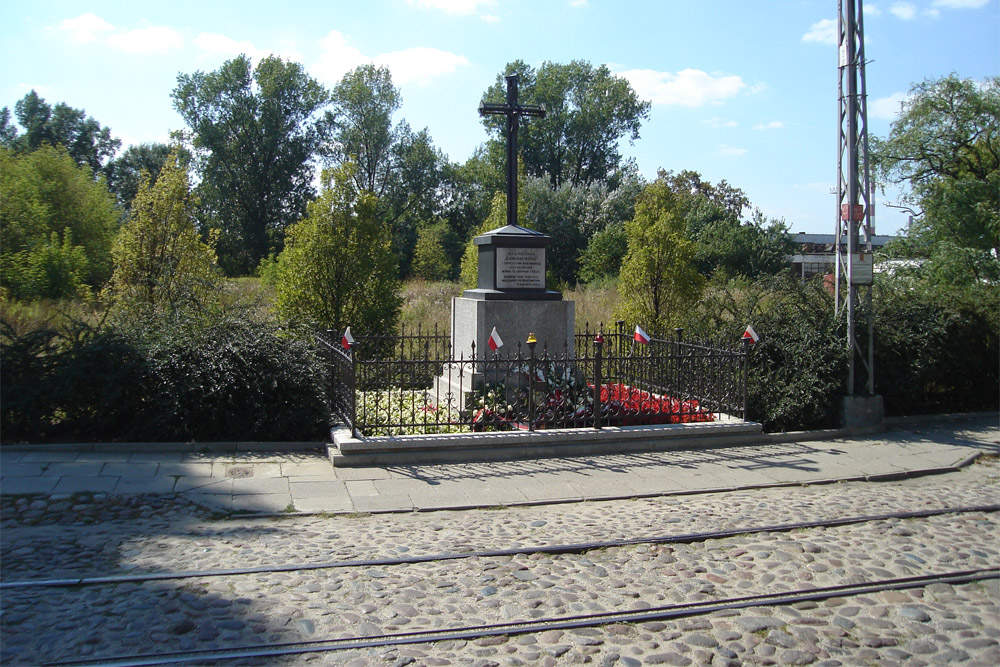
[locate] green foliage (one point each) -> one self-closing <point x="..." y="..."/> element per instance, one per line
<point x="162" y="378"/>
<point x="125" y="171"/>
<point x="337" y="268"/>
<point x="659" y="280"/>
<point x="945" y="150"/>
<point x="84" y="139"/>
<point x="53" y="270"/>
<point x="56" y="225"/>
<point x="602" y="259"/>
<point x="936" y="347"/>
<point x="400" y="167"/>
<point x="254" y="133"/>
<point x="797" y="372"/>
<point x="588" y="111"/>
<point x="160" y="260"/>
<point x="470" y="260"/>
<point x="430" y="256"/>
<point x="570" y="215"/>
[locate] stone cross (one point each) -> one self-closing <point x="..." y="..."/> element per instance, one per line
<point x="513" y="112"/>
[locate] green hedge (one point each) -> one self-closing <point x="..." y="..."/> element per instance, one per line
<point x="936" y="349"/>
<point x="221" y="379"/>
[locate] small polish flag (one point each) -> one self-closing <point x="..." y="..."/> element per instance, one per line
<point x="640" y="336"/>
<point x="495" y="342"/>
<point x="347" y="340"/>
<point x="750" y="335"/>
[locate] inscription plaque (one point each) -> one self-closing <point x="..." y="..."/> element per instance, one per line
<point x="520" y="268"/>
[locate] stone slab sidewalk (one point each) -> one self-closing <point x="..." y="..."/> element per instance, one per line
<point x="305" y="481"/>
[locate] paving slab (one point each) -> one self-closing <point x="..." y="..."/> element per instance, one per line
<point x="24" y="486"/>
<point x="129" y="469"/>
<point x="22" y="469"/>
<point x="88" y="484"/>
<point x="147" y="485"/>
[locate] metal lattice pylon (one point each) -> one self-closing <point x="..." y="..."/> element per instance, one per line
<point x="853" y="237"/>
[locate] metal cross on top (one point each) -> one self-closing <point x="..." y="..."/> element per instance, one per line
<point x="513" y="111"/>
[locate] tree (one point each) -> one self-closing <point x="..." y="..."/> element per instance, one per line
<point x="57" y="225"/>
<point x="588" y="111"/>
<point x="337" y="268"/>
<point x="83" y="137"/>
<point x="430" y="254"/>
<point x="944" y="149"/>
<point x="726" y="241"/>
<point x="160" y="261"/>
<point x="125" y="171"/>
<point x="659" y="280"/>
<point x="400" y="167"/>
<point x="254" y="133"/>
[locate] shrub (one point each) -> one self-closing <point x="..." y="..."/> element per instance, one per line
<point x="797" y="371"/>
<point x="936" y="348"/>
<point x="162" y="378"/>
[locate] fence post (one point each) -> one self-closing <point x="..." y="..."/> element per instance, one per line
<point x="532" y="341"/>
<point x="745" y="349"/>
<point x="598" y="382"/>
<point x="352" y="385"/>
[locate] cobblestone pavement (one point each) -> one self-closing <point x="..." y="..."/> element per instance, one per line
<point x="90" y="535"/>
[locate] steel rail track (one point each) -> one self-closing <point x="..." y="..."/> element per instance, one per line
<point x="517" y="628"/>
<point x="493" y="553"/>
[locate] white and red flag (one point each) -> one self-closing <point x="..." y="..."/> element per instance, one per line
<point x="750" y="335"/>
<point x="640" y="336"/>
<point x="347" y="340"/>
<point x="495" y="342"/>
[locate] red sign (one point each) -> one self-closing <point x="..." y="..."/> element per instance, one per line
<point x="859" y="212"/>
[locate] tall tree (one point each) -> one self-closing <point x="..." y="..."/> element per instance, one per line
<point x="86" y="140"/>
<point x="944" y="150"/>
<point x="588" y="111"/>
<point x="399" y="166"/>
<point x="160" y="261"/>
<point x="57" y="224"/>
<point x="659" y="279"/>
<point x="254" y="132"/>
<point x="727" y="241"/>
<point x="337" y="268"/>
<point x="125" y="171"/>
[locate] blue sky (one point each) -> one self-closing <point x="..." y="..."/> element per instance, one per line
<point x="741" y="90"/>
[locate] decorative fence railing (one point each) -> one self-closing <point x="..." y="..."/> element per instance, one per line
<point x="411" y="383"/>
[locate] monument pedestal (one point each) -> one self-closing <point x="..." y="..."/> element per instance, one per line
<point x="473" y="320"/>
<point x="511" y="297"/>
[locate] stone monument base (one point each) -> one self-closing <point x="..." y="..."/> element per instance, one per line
<point x="472" y="321"/>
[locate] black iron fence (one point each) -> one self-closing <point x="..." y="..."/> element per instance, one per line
<point x="412" y="384"/>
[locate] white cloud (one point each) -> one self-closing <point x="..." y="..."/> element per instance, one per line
<point x="337" y="58"/>
<point x="960" y="4"/>
<point x="85" y="28"/>
<point x="420" y="64"/>
<point x="577" y="3"/>
<point x="872" y="10"/>
<point x="89" y="28"/>
<point x="719" y="122"/>
<point x="887" y="108"/>
<point x="904" y="10"/>
<point x="773" y="125"/>
<point x="154" y="39"/>
<point x="221" y="45"/>
<point x="823" y="32"/>
<point x="731" y="151"/>
<point x="490" y="18"/>
<point x="416" y="65"/>
<point x="462" y="7"/>
<point x="689" y="87"/>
